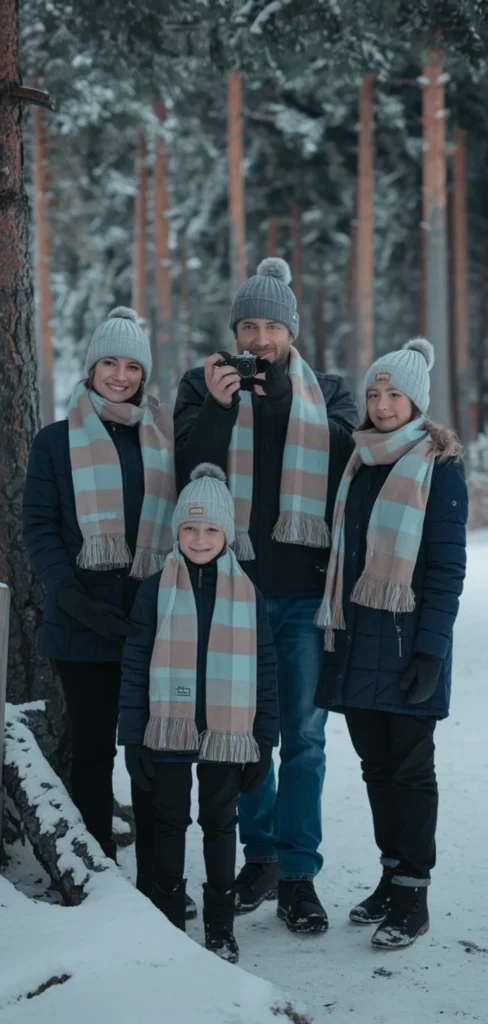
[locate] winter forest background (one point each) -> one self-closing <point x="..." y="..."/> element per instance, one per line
<point x="106" y="65"/>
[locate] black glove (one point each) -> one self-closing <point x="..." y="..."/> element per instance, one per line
<point x="139" y="764"/>
<point x="420" y="679"/>
<point x="105" y="619"/>
<point x="255" y="772"/>
<point x="277" y="383"/>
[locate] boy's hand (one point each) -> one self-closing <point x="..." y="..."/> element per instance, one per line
<point x="139" y="764"/>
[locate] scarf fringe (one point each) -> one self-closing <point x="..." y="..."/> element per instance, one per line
<point x="146" y="563"/>
<point x="323" y="616"/>
<point x="104" y="551"/>
<point x="242" y="547"/>
<point x="171" y="734"/>
<point x="329" y="641"/>
<point x="385" y="595"/>
<point x="236" y="747"/>
<point x="302" y="528"/>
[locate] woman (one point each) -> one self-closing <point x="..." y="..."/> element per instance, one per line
<point x="98" y="504"/>
<point x="392" y="593"/>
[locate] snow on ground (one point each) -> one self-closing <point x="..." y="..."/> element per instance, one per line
<point x="443" y="979"/>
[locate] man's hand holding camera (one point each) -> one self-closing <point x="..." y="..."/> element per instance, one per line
<point x="225" y="374"/>
<point x="222" y="381"/>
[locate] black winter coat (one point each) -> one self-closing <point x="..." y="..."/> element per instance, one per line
<point x="53" y="539"/>
<point x="377" y="646"/>
<point x="134" y="694"/>
<point x="203" y="430"/>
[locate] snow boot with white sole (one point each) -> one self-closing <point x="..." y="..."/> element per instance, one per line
<point x="300" y="908"/>
<point x="407" y="917"/>
<point x="256" y="882"/>
<point x="374" y="908"/>
<point x="218" y="919"/>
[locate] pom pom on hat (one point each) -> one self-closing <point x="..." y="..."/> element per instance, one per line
<point x="208" y="469"/>
<point x="124" y="313"/>
<point x="274" y="266"/>
<point x="425" y="348"/>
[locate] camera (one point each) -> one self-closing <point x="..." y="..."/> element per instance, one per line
<point x="246" y="365"/>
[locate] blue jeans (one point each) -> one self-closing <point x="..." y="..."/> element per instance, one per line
<point x="286" y="822"/>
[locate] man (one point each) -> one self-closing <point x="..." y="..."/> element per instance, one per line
<point x="274" y="443"/>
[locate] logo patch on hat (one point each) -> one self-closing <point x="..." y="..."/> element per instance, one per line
<point x="195" y="510"/>
<point x="382" y="378"/>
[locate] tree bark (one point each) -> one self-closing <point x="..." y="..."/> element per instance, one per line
<point x="60" y="841"/>
<point x="28" y="678"/>
<point x="364" y="276"/>
<point x="320" y="331"/>
<point x="434" y="225"/>
<point x="141" y="229"/>
<point x="235" y="137"/>
<point x="297" y="264"/>
<point x="185" y="305"/>
<point x="43" y="263"/>
<point x="481" y="346"/>
<point x="164" y="360"/>
<point x="460" y="273"/>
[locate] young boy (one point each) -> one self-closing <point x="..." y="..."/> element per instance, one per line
<point x="199" y="684"/>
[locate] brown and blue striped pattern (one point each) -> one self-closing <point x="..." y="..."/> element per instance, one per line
<point x="97" y="482"/>
<point x="394" y="530"/>
<point x="303" y="492"/>
<point x="231" y="671"/>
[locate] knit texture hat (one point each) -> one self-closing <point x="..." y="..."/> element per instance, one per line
<point x="120" y="335"/>
<point x="267" y="295"/>
<point x="408" y="370"/>
<point x="206" y="499"/>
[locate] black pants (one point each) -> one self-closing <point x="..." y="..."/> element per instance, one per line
<point x="91" y="690"/>
<point x="397" y="759"/>
<point x="219" y="787"/>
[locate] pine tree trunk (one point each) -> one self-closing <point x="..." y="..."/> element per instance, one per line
<point x="364" y="347"/>
<point x="297" y="264"/>
<point x="434" y="221"/>
<point x="29" y="678"/>
<point x="141" y="230"/>
<point x="481" y="347"/>
<point x="320" y="331"/>
<point x="43" y="263"/>
<point x="350" y="303"/>
<point x="185" y="305"/>
<point x="460" y="273"/>
<point x="164" y="354"/>
<point x="235" y="137"/>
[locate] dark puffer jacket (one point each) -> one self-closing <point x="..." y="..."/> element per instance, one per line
<point x="134" y="694"/>
<point x="376" y="646"/>
<point x="53" y="539"/>
<point x="203" y="431"/>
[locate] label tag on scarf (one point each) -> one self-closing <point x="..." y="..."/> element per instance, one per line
<point x="382" y="378"/>
<point x="195" y="510"/>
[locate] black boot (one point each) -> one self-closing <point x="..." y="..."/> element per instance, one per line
<point x="256" y="882"/>
<point x="171" y="902"/>
<point x="406" y="919"/>
<point x="218" y="918"/>
<point x="145" y="884"/>
<point x="300" y="907"/>
<point x="374" y="908"/>
<point x="110" y="850"/>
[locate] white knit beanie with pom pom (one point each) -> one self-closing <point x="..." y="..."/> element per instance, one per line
<point x="408" y="370"/>
<point x="206" y="499"/>
<point x="120" y="335"/>
<point x="268" y="296"/>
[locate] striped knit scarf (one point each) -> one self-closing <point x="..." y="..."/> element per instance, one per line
<point x="231" y="665"/>
<point x="97" y="482"/>
<point x="303" y="493"/>
<point x="394" y="530"/>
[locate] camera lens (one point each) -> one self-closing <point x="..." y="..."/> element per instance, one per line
<point x="246" y="367"/>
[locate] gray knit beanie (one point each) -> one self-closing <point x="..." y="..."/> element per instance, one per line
<point x="408" y="370"/>
<point x="206" y="499"/>
<point x="267" y="295"/>
<point x="120" y="335"/>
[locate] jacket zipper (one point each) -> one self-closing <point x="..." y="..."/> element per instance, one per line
<point x="399" y="635"/>
<point x="200" y="576"/>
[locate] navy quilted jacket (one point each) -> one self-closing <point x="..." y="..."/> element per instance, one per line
<point x="53" y="539"/>
<point x="134" y="694"/>
<point x="376" y="646"/>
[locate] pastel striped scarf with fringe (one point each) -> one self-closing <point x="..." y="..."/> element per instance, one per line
<point x="395" y="527"/>
<point x="231" y="674"/>
<point x="97" y="482"/>
<point x="305" y="470"/>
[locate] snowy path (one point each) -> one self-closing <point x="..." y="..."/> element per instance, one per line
<point x="443" y="979"/>
<point x="339" y="977"/>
